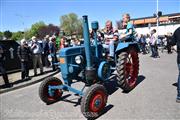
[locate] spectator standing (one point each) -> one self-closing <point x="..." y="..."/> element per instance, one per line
<point x="24" y="54"/>
<point x="62" y="42"/>
<point x="169" y="38"/>
<point x="58" y="41"/>
<point x="2" y="67"/>
<point x="176" y="41"/>
<point x="148" y="43"/>
<point x="73" y="42"/>
<point x="37" y="52"/>
<point x="142" y="42"/>
<point x="153" y="43"/>
<point x="164" y="43"/>
<point x="46" y="50"/>
<point x="52" y="49"/>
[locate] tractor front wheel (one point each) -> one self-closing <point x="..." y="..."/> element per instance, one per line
<point x="127" y="69"/>
<point x="44" y="92"/>
<point x="94" y="101"/>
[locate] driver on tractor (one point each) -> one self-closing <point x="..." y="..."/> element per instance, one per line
<point x="110" y="37"/>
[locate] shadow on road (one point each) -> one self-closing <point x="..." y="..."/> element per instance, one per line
<point x="105" y="110"/>
<point x="60" y="99"/>
<point x="174" y="84"/>
<point x="20" y="81"/>
<point x="111" y="87"/>
<point x="139" y="80"/>
<point x="65" y="99"/>
<point x="76" y="103"/>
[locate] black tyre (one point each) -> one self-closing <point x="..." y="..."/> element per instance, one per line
<point x="127" y="67"/>
<point x="94" y="101"/>
<point x="43" y="90"/>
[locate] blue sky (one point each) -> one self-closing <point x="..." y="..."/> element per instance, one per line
<point x="21" y="14"/>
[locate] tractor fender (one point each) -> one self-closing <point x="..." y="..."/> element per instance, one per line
<point x="121" y="46"/>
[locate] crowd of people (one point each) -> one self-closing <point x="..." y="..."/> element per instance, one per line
<point x="39" y="50"/>
<point x="150" y="43"/>
<point x="34" y="51"/>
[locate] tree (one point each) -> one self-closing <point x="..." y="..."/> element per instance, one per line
<point x="35" y="28"/>
<point x="48" y="30"/>
<point x="27" y="34"/>
<point x="1" y="35"/>
<point x="80" y="28"/>
<point x="17" y="35"/>
<point x="7" y="34"/>
<point x="71" y="24"/>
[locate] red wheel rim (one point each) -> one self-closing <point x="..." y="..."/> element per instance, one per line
<point x="97" y="102"/>
<point x="131" y="68"/>
<point x="57" y="92"/>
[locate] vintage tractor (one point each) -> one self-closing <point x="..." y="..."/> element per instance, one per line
<point x="86" y="64"/>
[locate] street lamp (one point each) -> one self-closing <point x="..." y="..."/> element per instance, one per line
<point x="21" y="16"/>
<point x="157" y="16"/>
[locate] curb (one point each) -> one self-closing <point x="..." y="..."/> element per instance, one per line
<point x="27" y="84"/>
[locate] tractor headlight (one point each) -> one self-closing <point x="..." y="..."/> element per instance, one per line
<point x="79" y="59"/>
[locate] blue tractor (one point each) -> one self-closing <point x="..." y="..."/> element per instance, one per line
<point x="85" y="63"/>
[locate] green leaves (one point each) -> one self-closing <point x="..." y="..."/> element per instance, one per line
<point x="71" y="24"/>
<point x="35" y="27"/>
<point x="7" y="34"/>
<point x="17" y="35"/>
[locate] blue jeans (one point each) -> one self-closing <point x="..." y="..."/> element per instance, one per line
<point x="156" y="51"/>
<point x="153" y="50"/>
<point x="110" y="47"/>
<point x="178" y="83"/>
<point x="54" y="60"/>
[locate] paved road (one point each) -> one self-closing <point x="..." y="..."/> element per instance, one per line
<point x="153" y="98"/>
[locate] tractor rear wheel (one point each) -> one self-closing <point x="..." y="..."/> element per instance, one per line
<point x="127" y="67"/>
<point x="94" y="101"/>
<point x="44" y="93"/>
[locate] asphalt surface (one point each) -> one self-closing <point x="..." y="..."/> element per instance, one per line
<point x="153" y="98"/>
<point x="17" y="83"/>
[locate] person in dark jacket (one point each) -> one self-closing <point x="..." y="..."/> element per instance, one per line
<point x="169" y="43"/>
<point x="176" y="41"/>
<point x="46" y="50"/>
<point x="2" y="67"/>
<point x="24" y="56"/>
<point x="52" y="49"/>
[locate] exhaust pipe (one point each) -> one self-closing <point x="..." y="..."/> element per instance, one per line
<point x="90" y="72"/>
<point x="87" y="43"/>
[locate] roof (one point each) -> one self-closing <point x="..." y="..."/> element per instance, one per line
<point x="169" y="15"/>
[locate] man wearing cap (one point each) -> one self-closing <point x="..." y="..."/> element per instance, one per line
<point x="37" y="52"/>
<point x="24" y="54"/>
